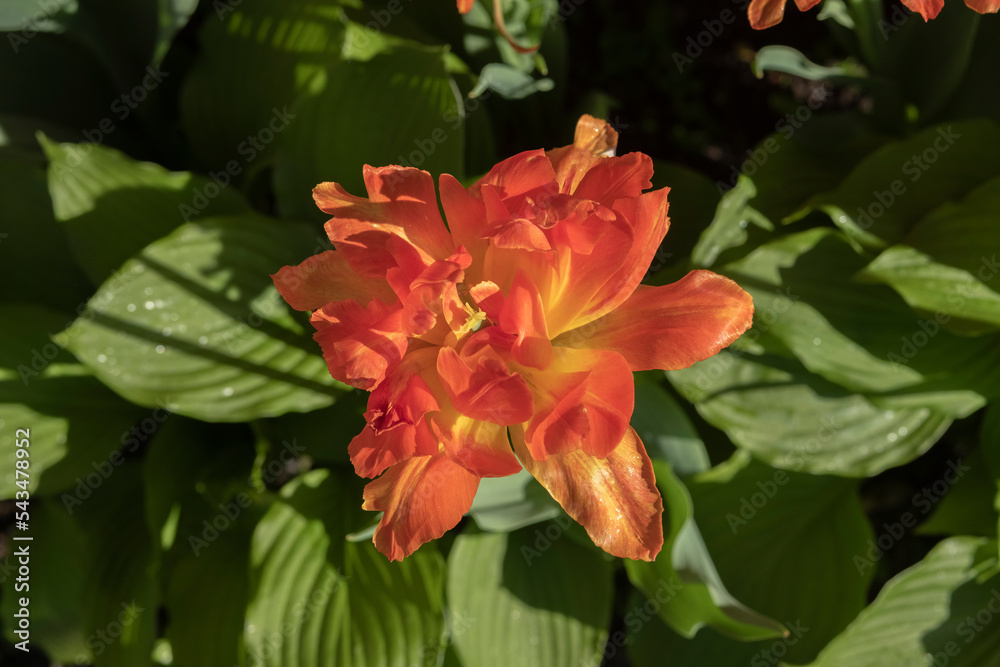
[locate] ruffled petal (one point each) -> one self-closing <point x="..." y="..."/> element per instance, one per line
<point x="671" y="326"/>
<point x="522" y="316"/>
<point x="401" y="201"/>
<point x="615" y="498"/>
<point x="422" y="497"/>
<point x="594" y="138"/>
<point x="396" y="428"/>
<point x="583" y="401"/>
<point x="324" y="278"/>
<point x="522" y="173"/>
<point x="480" y="447"/>
<point x="484" y="388"/>
<point x="360" y="344"/>
<point x="614" y="178"/>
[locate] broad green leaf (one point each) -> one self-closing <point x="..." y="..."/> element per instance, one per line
<point x="31" y="16"/>
<point x="193" y="324"/>
<point x="728" y="229"/>
<point x="35" y="261"/>
<point x="321" y="435"/>
<point x="317" y="599"/>
<point x="75" y="425"/>
<point x="173" y="15"/>
<point x="682" y="584"/>
<point x="665" y="429"/>
<point x="504" y="504"/>
<point x="894" y="187"/>
<point x="354" y="117"/>
<point x="55" y="596"/>
<point x="794" y="419"/>
<point x="528" y="598"/>
<point x="245" y="48"/>
<point x="120" y="595"/>
<point x="925" y="611"/>
<point x="200" y="504"/>
<point x="947" y="266"/>
<point x="800" y="529"/>
<point x="111" y="206"/>
<point x="967" y="507"/>
<point x="862" y="337"/>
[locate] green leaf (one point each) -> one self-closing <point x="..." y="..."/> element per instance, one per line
<point x="802" y="530"/>
<point x="36" y="15"/>
<point x="317" y="599"/>
<point x="528" y="598"/>
<point x="193" y="324"/>
<point x="504" y="504"/>
<point x="924" y="611"/>
<point x="173" y="16"/>
<point x="791" y="61"/>
<point x="683" y="584"/>
<point x="665" y="429"/>
<point x="894" y="187"/>
<point x="245" y="48"/>
<point x="728" y="229"/>
<point x="75" y="425"/>
<point x="794" y="419"/>
<point x="111" y="206"/>
<point x="355" y="118"/>
<point x="509" y="82"/>
<point x="861" y="337"/>
<point x="947" y="267"/>
<point x="35" y="261"/>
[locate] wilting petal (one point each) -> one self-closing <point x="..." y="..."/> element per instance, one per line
<point x="672" y="326"/>
<point x="594" y="139"/>
<point x="984" y="6"/>
<point x="766" y="13"/>
<point x="401" y="201"/>
<point x="483" y="387"/>
<point x="615" y="498"/>
<point x="396" y="428"/>
<point x="584" y="400"/>
<point x="480" y="447"/>
<point x="324" y="278"/>
<point x="359" y="344"/>
<point x="522" y="316"/>
<point x="422" y="498"/>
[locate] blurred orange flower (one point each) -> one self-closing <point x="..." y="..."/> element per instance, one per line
<point x="766" y="13"/>
<point x="507" y="338"/>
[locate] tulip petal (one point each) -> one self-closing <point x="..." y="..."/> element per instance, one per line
<point x="615" y="498"/>
<point x="671" y="326"/>
<point x="594" y="138"/>
<point x="614" y="178"/>
<point x="466" y="218"/>
<point x="522" y="173"/>
<point x="984" y="6"/>
<point x="524" y="317"/>
<point x="584" y="401"/>
<point x="401" y="201"/>
<point x="480" y="447"/>
<point x="359" y="344"/>
<point x="326" y="277"/>
<point x="422" y="497"/>
<point x="483" y="387"/>
<point x="928" y="9"/>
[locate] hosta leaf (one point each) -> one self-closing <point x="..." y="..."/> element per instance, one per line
<point x="193" y="324"/>
<point x="528" y="598"/>
<point x="683" y="585"/>
<point x="110" y="206"/>
<point x="927" y="614"/>
<point x="317" y="599"/>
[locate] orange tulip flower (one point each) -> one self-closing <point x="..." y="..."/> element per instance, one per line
<point x="766" y="13"/>
<point x="507" y="338"/>
<point x="929" y="9"/>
